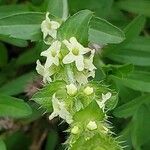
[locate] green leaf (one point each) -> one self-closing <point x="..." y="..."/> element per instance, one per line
<point x="136" y="6"/>
<point x="31" y="55"/>
<point x="58" y="8"/>
<point x="138" y="80"/>
<point x="44" y="96"/>
<point x="13" y="107"/>
<point x="91" y="112"/>
<point x="52" y="140"/>
<point x="103" y="32"/>
<point x="141" y="130"/>
<point x="131" y="55"/>
<point x="22" y="25"/>
<point x="3" y="55"/>
<point x="6" y="10"/>
<point x="129" y="109"/>
<point x="100" y="7"/>
<point x="124" y="54"/>
<point x="73" y="26"/>
<point x="134" y="28"/>
<point x="13" y="41"/>
<point x="18" y="140"/>
<point x="2" y="145"/>
<point x="17" y="85"/>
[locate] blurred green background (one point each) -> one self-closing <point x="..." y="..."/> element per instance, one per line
<point x="126" y="66"/>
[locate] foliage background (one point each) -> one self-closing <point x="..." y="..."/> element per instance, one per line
<point x="126" y="66"/>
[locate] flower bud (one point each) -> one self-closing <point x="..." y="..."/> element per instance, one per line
<point x="92" y="125"/>
<point x="71" y="89"/>
<point x="88" y="90"/>
<point x="75" y="130"/>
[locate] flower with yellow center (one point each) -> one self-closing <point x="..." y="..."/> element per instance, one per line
<point x="92" y="125"/>
<point x="49" y="27"/>
<point x="71" y="89"/>
<point x="76" y="52"/>
<point x="52" y="54"/>
<point x="59" y="109"/>
<point x="45" y="72"/>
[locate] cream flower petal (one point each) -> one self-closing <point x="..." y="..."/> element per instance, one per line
<point x="53" y="33"/>
<point x="60" y="110"/>
<point x="79" y="63"/>
<point x="81" y="78"/>
<point x="52" y="54"/>
<point x="55" y="25"/>
<point x="89" y="62"/>
<point x="68" y="45"/>
<point x="69" y="58"/>
<point x="45" y="72"/>
<point x="49" y="27"/>
<point x="105" y="97"/>
<point x="39" y="68"/>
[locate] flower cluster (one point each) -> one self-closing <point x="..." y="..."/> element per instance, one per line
<point x="80" y="103"/>
<point x="65" y="52"/>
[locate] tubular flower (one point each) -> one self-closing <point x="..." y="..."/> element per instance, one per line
<point x="59" y="109"/>
<point x="45" y="72"/>
<point x="52" y="54"/>
<point x="105" y="97"/>
<point x="49" y="27"/>
<point x="76" y="52"/>
<point x="88" y="63"/>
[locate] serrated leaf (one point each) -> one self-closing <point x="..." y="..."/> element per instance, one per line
<point x="103" y="32"/>
<point x="76" y="26"/>
<point x="22" y="25"/>
<point x="13" y="107"/>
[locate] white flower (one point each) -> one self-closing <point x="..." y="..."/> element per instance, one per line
<point x="76" y="52"/>
<point x="105" y="97"/>
<point x="45" y="72"/>
<point x="71" y="89"/>
<point x="75" y="130"/>
<point x="88" y="62"/>
<point x="49" y="27"/>
<point x="59" y="109"/>
<point x="82" y="77"/>
<point x="92" y="125"/>
<point x="88" y="90"/>
<point x="52" y="54"/>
